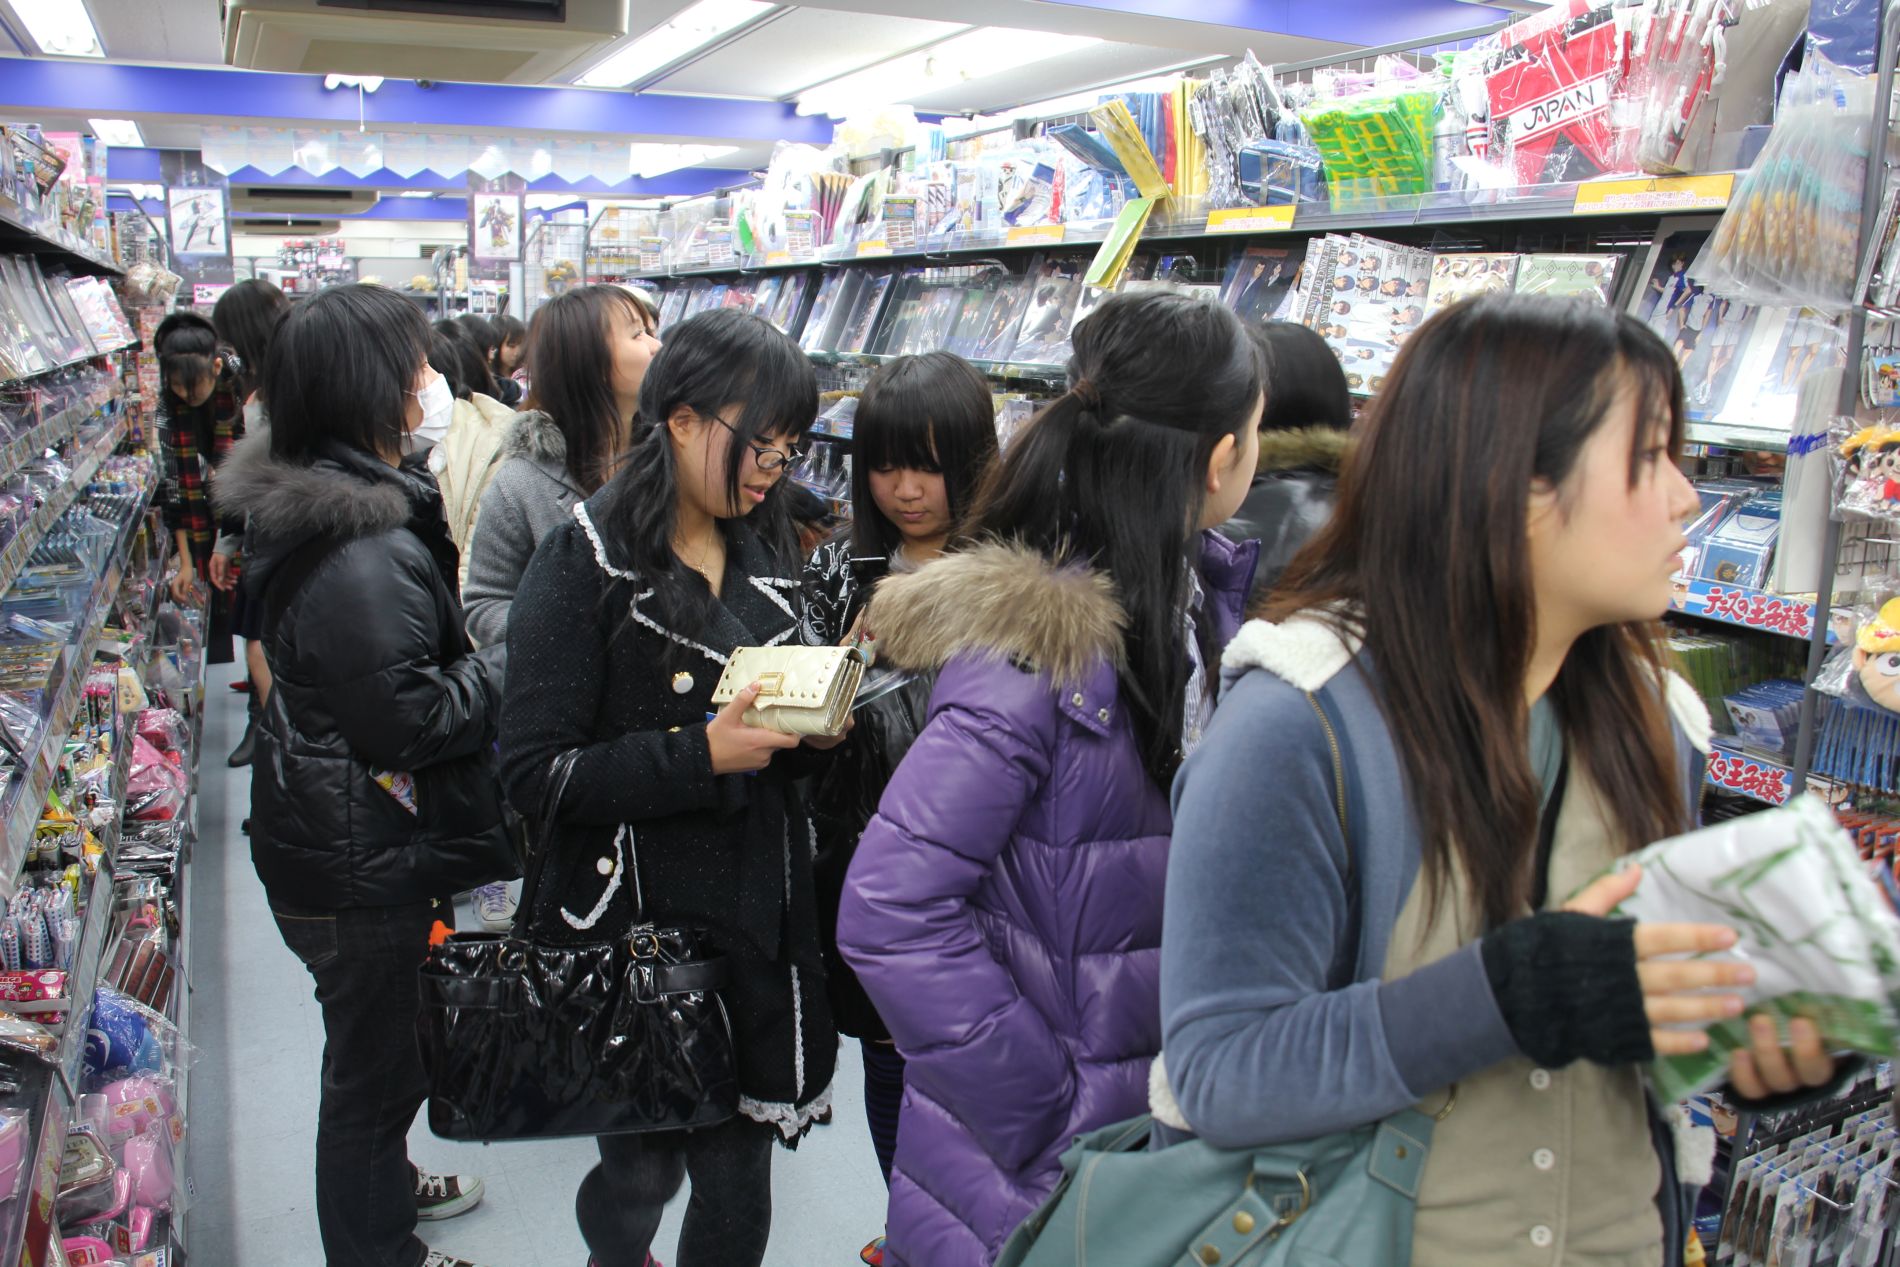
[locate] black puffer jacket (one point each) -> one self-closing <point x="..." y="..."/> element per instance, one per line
<point x="353" y="563"/>
<point x="1291" y="498"/>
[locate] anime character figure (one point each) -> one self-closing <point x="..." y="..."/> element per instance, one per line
<point x="500" y="223"/>
<point x="1877" y="656"/>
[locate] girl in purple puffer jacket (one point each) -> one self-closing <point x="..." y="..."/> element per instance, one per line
<point x="1004" y="908"/>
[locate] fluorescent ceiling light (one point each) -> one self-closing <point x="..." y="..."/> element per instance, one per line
<point x="416" y="193"/>
<point x="1159" y="80"/>
<point x="647" y="161"/>
<point x="117" y="132"/>
<point x="60" y="27"/>
<point x="687" y="32"/>
<point x="975" y="54"/>
<point x="368" y="83"/>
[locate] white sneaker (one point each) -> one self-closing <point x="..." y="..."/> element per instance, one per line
<point x="437" y="1258"/>
<point x="445" y="1196"/>
<point x="495" y="907"/>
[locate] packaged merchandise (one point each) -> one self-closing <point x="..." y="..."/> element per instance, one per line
<point x="1823" y="940"/>
<point x="1456" y="277"/>
<point x="1592" y="276"/>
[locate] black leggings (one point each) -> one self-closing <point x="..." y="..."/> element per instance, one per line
<point x="883" y="1098"/>
<point x="728" y="1218"/>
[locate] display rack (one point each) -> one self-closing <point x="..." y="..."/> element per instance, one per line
<point x="554" y="259"/>
<point x="49" y="1090"/>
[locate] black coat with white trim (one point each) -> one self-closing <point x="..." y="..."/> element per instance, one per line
<point x="592" y="670"/>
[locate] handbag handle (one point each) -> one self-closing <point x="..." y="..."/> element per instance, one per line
<point x="560" y="771"/>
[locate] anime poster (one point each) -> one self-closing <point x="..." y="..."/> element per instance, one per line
<point x="199" y="224"/>
<point x="495" y="226"/>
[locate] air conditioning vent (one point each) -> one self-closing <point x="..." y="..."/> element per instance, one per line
<point x="478" y="41"/>
<point x="299" y="200"/>
<point x="288" y="228"/>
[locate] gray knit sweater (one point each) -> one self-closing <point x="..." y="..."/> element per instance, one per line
<point x="530" y="496"/>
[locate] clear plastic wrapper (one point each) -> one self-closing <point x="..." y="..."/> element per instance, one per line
<point x="1823" y="940"/>
<point x="128" y="1041"/>
<point x="1791" y="233"/>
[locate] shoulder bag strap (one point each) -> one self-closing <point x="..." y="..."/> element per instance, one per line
<point x="560" y="771"/>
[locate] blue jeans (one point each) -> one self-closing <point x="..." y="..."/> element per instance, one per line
<point x="728" y="1218"/>
<point x="364" y="961"/>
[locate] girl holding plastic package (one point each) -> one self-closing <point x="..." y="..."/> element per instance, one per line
<point x="1004" y="908"/>
<point x="622" y="627"/>
<point x="1476" y="631"/>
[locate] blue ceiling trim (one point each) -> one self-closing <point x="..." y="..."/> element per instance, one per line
<point x="387" y="209"/>
<point x="1393" y="21"/>
<point x="127" y="165"/>
<point x="260" y="97"/>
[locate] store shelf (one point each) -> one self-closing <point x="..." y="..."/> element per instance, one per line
<point x="1764" y="779"/>
<point x="46" y="1090"/>
<point x="26" y="798"/>
<point x="13" y="558"/>
<point x="18" y="233"/>
<point x="1750" y="609"/>
<point x="1536" y="202"/>
<point x="67" y="365"/>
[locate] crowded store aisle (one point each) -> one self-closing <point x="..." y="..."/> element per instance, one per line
<point x="254" y="1098"/>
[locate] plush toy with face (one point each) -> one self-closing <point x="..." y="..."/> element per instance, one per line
<point x="1877" y="657"/>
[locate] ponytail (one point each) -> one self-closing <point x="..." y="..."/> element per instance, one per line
<point x="1111" y="475"/>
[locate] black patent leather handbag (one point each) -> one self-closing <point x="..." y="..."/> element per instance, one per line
<point x="527" y="1040"/>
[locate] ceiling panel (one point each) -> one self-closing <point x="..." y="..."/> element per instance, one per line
<point x="802" y="48"/>
<point x="1071" y="72"/>
<point x="183" y="31"/>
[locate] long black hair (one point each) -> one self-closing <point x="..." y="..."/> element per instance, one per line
<point x="188" y="350"/>
<point x="247" y="317"/>
<point x="571" y="356"/>
<point x="507" y="330"/>
<point x="1427" y="558"/>
<point x="931" y="413"/>
<point x="340" y="369"/>
<point x="1114" y="475"/>
<point x="1308" y="386"/>
<point x="454" y="345"/>
<point x="711" y="363"/>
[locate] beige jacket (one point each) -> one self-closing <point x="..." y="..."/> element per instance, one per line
<point x="465" y="461"/>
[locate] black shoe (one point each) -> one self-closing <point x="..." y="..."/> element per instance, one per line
<point x="245" y="827"/>
<point x="246" y="749"/>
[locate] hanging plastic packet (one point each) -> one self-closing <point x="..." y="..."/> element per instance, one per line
<point x="1823" y="940"/>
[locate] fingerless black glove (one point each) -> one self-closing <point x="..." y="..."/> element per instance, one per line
<point x="1567" y="986"/>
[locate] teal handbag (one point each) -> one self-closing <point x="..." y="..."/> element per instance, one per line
<point x="1342" y="1200"/>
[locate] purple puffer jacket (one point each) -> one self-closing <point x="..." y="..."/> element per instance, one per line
<point x="1004" y="907"/>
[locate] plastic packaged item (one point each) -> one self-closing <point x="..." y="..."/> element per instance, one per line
<point x="122" y="1038"/>
<point x="1824" y="942"/>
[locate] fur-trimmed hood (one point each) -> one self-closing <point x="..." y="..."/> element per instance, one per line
<point x="534" y="435"/>
<point x="1006" y="602"/>
<point x="1303" y="449"/>
<point x="343" y="495"/>
<point x="289" y="500"/>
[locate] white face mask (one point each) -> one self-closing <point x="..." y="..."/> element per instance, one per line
<point x="253" y="410"/>
<point x="438" y="406"/>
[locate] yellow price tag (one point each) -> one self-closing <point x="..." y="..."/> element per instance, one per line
<point x="868" y="250"/>
<point x="1251" y="220"/>
<point x="777" y="257"/>
<point x="1037" y="234"/>
<point x="1654" y="193"/>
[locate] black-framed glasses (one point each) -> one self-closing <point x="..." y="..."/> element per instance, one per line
<point x="769" y="458"/>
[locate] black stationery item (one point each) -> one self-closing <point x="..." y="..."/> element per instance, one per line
<point x="528" y="1040"/>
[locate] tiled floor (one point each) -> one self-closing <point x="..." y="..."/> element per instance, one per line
<point x="254" y="1099"/>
